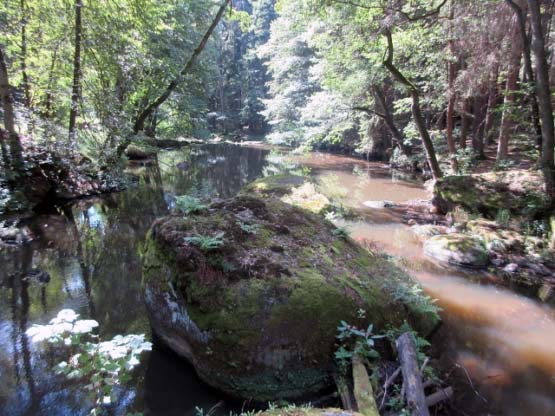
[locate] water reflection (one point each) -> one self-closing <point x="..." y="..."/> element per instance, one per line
<point x="91" y="251"/>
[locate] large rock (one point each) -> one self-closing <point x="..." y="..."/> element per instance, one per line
<point x="256" y="310"/>
<point x="520" y="192"/>
<point x="274" y="186"/>
<point x="291" y="189"/>
<point x="457" y="250"/>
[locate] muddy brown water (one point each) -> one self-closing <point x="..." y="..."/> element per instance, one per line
<point x="497" y="344"/>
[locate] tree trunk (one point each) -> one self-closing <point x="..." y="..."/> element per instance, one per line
<point x="48" y="99"/>
<point x="493" y="98"/>
<point x="451" y="74"/>
<point x="544" y="99"/>
<point x="520" y="11"/>
<point x="416" y="110"/>
<point x="143" y="115"/>
<point x="478" y="125"/>
<point x="76" y="89"/>
<point x="389" y="120"/>
<point x="513" y="69"/>
<point x="24" y="75"/>
<point x="15" y="162"/>
<point x="465" y="123"/>
<point x="5" y="92"/>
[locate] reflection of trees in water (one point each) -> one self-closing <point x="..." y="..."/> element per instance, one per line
<point x="216" y="171"/>
<point x="18" y="284"/>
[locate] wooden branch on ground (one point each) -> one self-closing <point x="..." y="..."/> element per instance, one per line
<point x="412" y="377"/>
<point x="390" y="380"/>
<point x="439" y="396"/>
<point x="364" y="394"/>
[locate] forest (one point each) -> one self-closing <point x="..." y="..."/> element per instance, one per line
<point x="277" y="207"/>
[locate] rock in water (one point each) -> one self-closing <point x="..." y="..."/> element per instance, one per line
<point x="251" y="292"/>
<point x="457" y="250"/>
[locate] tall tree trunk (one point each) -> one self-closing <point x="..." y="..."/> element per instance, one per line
<point x="416" y="109"/>
<point x="7" y="98"/>
<point x="465" y="122"/>
<point x="76" y="89"/>
<point x="544" y="100"/>
<point x="146" y="112"/>
<point x="15" y="162"/>
<point x="389" y="120"/>
<point x="493" y="98"/>
<point x="48" y="98"/>
<point x="24" y="75"/>
<point x="513" y="69"/>
<point x="478" y="125"/>
<point x="521" y="10"/>
<point x="451" y="73"/>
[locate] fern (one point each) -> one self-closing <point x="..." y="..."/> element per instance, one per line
<point x="189" y="204"/>
<point x="206" y="243"/>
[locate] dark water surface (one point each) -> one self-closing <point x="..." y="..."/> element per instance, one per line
<point x="502" y="344"/>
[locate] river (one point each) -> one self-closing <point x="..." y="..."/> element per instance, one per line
<point x="497" y="344"/>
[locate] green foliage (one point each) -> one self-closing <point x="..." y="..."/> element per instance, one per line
<point x="505" y="164"/>
<point x="103" y="365"/>
<point x="355" y="341"/>
<point x="248" y="228"/>
<point x="503" y="217"/>
<point x="206" y="243"/>
<point x="467" y="160"/>
<point x="189" y="204"/>
<point x="342" y="232"/>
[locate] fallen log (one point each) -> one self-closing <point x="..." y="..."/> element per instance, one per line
<point x="412" y="377"/>
<point x="439" y="396"/>
<point x="364" y="394"/>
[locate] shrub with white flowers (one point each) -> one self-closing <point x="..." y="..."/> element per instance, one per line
<point x="103" y="364"/>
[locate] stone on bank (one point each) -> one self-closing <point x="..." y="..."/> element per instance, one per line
<point x="256" y="312"/>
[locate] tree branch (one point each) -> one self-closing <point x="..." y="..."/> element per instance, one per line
<point x="149" y="109"/>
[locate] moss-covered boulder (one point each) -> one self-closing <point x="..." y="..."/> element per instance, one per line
<point x="273" y="186"/>
<point x="520" y="192"/>
<point x="495" y="237"/>
<point x="251" y="292"/>
<point x="291" y="189"/>
<point x="458" y="250"/>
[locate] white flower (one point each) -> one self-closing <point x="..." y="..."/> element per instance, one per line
<point x="84" y="326"/>
<point x="39" y="333"/>
<point x="65" y="315"/>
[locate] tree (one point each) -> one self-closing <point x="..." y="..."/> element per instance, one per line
<point x="451" y="69"/>
<point x="544" y="99"/>
<point x="76" y="88"/>
<point x="513" y="69"/>
<point x="153" y="106"/>
<point x="416" y="108"/>
<point x="14" y="158"/>
<point x="6" y="94"/>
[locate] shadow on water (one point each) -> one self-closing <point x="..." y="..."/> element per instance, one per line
<point x="501" y="343"/>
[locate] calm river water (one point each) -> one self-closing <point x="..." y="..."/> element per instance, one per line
<point x="498" y="344"/>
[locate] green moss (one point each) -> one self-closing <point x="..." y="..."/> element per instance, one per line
<point x="276" y="185"/>
<point x="516" y="191"/>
